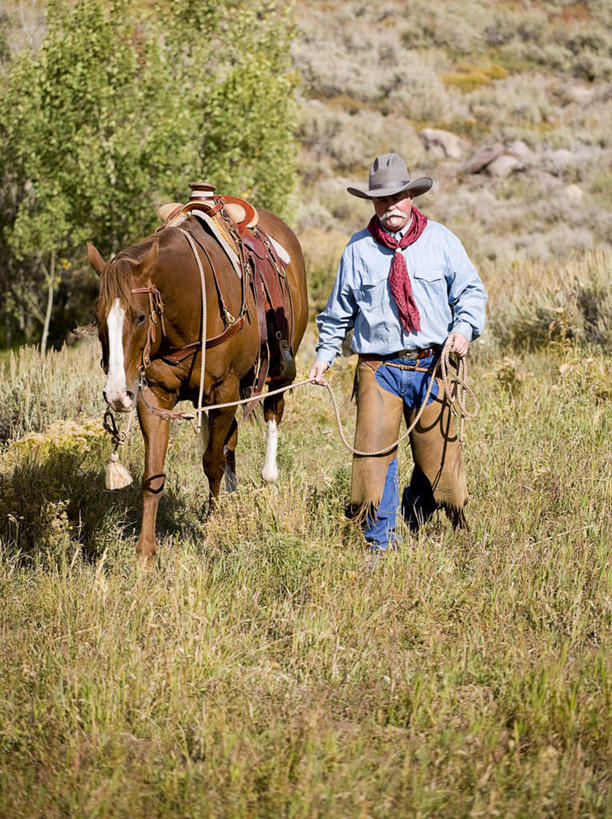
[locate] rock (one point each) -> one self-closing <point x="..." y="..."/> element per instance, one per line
<point x="504" y="165"/>
<point x="520" y="150"/>
<point x="443" y="143"/>
<point x="574" y="193"/>
<point x="483" y="156"/>
<point x="578" y="94"/>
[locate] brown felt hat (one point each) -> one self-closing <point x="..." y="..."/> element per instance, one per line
<point x="388" y="176"/>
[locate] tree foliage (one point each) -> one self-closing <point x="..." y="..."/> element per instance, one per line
<point x="122" y="107"/>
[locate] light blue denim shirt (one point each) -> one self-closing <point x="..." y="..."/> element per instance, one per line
<point x="446" y="286"/>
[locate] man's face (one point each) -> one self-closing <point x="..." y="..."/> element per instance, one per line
<point x="393" y="211"/>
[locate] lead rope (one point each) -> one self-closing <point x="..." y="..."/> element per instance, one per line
<point x="455" y="389"/>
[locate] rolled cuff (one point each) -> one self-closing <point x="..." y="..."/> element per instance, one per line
<point x="466" y="329"/>
<point x="327" y="356"/>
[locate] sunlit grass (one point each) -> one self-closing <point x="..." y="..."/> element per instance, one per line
<point x="260" y="669"/>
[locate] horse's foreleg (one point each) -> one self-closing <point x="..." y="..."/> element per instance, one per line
<point x="273" y="413"/>
<point x="155" y="431"/>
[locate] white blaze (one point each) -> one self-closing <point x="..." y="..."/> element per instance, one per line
<point x="116" y="387"/>
<point x="269" y="470"/>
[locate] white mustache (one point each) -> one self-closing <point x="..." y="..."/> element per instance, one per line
<point x="392" y="212"/>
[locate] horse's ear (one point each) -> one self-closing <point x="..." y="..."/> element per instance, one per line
<point x="95" y="259"/>
<point x="150" y="260"/>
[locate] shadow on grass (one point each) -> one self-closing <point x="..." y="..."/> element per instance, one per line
<point x="47" y="509"/>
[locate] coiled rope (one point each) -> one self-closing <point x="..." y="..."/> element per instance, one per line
<point x="455" y="388"/>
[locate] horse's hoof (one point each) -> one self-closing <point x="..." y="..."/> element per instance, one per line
<point x="145" y="561"/>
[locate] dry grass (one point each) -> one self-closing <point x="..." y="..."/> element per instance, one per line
<point x="259" y="670"/>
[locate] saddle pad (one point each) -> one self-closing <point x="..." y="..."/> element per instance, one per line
<point x="221" y="237"/>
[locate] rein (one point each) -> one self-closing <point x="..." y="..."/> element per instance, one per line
<point x="455" y="389"/>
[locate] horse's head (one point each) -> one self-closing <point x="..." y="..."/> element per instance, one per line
<point x="123" y="321"/>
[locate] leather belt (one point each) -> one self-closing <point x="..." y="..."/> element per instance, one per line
<point x="413" y="355"/>
<point x="416" y="354"/>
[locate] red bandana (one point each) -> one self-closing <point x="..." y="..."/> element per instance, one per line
<point x="399" y="280"/>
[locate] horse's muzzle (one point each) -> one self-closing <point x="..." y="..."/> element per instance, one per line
<point x="120" y="402"/>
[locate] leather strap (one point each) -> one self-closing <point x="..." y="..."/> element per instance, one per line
<point x="176" y="356"/>
<point x="264" y="357"/>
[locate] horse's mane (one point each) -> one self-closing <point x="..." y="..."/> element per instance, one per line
<point x="116" y="279"/>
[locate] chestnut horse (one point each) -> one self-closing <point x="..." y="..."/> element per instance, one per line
<point x="149" y="305"/>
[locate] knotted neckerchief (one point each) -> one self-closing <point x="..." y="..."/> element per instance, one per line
<point x="399" y="280"/>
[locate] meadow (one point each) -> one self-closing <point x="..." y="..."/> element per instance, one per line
<point x="263" y="668"/>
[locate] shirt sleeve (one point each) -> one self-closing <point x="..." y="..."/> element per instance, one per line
<point x="339" y="314"/>
<point x="466" y="294"/>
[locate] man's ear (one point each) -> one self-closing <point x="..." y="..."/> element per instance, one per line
<point x="95" y="259"/>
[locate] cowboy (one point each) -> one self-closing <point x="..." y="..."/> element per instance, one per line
<point x="404" y="285"/>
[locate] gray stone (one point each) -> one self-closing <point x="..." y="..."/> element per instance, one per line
<point x="578" y="94"/>
<point x="483" y="156"/>
<point x="504" y="165"/>
<point x="442" y="143"/>
<point x="520" y="150"/>
<point x="574" y="192"/>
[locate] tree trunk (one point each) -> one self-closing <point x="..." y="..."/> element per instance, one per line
<point x="50" y="292"/>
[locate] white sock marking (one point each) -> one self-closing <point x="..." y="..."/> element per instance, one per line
<point x="269" y="471"/>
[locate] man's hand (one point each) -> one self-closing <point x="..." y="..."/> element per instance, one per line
<point x="458" y="344"/>
<point x="317" y="372"/>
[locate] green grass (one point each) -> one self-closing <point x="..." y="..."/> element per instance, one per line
<point x="259" y="669"/>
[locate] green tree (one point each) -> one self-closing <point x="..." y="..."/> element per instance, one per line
<point x="119" y="110"/>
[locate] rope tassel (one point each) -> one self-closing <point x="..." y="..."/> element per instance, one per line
<point x="117" y="475"/>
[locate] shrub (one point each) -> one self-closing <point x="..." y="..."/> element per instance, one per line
<point x="51" y="486"/>
<point x="577" y="308"/>
<point x="468" y="77"/>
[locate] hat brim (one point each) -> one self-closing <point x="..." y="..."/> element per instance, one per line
<point x="416" y="188"/>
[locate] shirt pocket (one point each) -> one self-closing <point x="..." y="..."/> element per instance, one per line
<point x="429" y="275"/>
<point x="373" y="294"/>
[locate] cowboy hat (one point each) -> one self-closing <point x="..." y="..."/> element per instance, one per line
<point x="388" y="176"/>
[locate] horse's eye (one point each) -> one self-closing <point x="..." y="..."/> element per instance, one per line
<point x="140" y="318"/>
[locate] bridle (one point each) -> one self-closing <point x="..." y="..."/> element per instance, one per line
<point x="156" y="311"/>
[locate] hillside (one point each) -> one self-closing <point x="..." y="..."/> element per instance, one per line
<point x="507" y="105"/>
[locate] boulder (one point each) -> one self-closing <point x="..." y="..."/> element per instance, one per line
<point x="483" y="156"/>
<point x="520" y="150"/>
<point x="442" y="143"/>
<point x="574" y="193"/>
<point x="578" y="94"/>
<point x="504" y="165"/>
